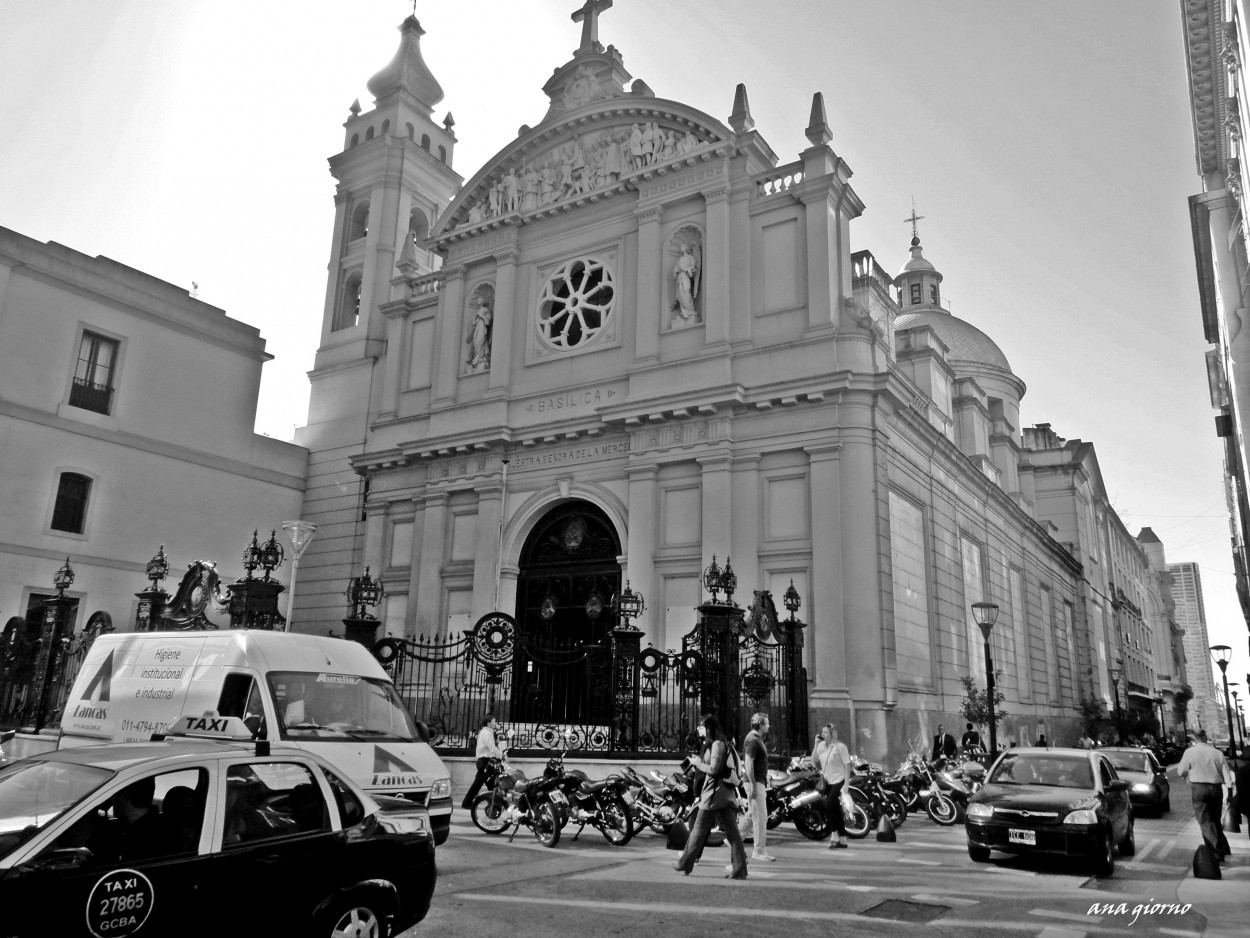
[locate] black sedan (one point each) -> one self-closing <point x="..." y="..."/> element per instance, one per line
<point x="1066" y="802"/>
<point x="194" y="837"/>
<point x="1148" y="786"/>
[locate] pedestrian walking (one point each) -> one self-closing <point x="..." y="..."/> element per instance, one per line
<point x="971" y="740"/>
<point x="832" y="758"/>
<point x="1041" y="740"/>
<point x="1207" y="772"/>
<point x="487" y="749"/>
<point x="755" y="776"/>
<point x="718" y="762"/>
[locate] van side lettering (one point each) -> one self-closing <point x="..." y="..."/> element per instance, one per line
<point x="103" y="680"/>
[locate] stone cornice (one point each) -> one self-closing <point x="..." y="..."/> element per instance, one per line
<point x="1204" y="48"/>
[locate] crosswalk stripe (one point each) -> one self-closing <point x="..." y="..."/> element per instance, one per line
<point x="1143" y="851"/>
<point x="919" y="862"/>
<point x="1068" y="916"/>
<point x="1167" y="848"/>
<point x="1054" y="931"/>
<point x="945" y="900"/>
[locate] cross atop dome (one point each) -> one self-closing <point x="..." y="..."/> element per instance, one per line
<point x="913" y="218"/>
<point x="588" y="16"/>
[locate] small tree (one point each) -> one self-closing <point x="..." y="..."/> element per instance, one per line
<point x="1093" y="716"/>
<point x="975" y="707"/>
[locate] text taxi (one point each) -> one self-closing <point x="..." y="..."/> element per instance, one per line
<point x="196" y="836"/>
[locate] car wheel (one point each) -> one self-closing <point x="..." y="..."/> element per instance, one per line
<point x="1128" y="846"/>
<point x="979" y="854"/>
<point x="1104" y="861"/>
<point x="354" y="918"/>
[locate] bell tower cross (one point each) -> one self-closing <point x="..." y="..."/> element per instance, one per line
<point x="588" y="16"/>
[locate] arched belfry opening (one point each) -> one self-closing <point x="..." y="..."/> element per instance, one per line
<point x="569" y="573"/>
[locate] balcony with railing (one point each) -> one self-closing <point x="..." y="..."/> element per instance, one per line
<point x="90" y="396"/>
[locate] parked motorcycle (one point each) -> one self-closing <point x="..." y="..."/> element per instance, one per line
<point x="600" y="804"/>
<point x="908" y="782"/>
<point x="945" y="797"/>
<point x="792" y="796"/>
<point x="654" y="803"/>
<point x="515" y="801"/>
<point x="868" y="790"/>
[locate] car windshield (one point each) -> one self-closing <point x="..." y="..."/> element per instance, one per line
<point x="34" y="793"/>
<point x="1132" y="761"/>
<point x="1043" y="768"/>
<point x="339" y="707"/>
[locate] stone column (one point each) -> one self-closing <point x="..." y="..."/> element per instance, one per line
<point x="825" y="610"/>
<point x="433" y="550"/>
<point x="716" y="268"/>
<point x="717" y="507"/>
<point x="504" y="325"/>
<point x="649" y="288"/>
<point x="823" y="262"/>
<point x="640" y="547"/>
<point x="747" y="521"/>
<point x="450" y="340"/>
<point x="393" y="366"/>
<point x="414" y="570"/>
<point x="740" y="274"/>
<point x="489" y="512"/>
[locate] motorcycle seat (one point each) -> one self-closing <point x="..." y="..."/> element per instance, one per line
<point x="592" y="788"/>
<point x="522" y="785"/>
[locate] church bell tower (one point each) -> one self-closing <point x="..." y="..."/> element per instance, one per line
<point x="394" y="176"/>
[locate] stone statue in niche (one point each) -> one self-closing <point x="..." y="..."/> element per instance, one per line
<point x="480" y="330"/>
<point x="687" y="273"/>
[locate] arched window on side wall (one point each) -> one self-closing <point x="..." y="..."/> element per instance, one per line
<point x="355" y="139"/>
<point x="412" y="132"/>
<point x="360" y="222"/>
<point x="386" y="126"/>
<point x="369" y="134"/>
<point x="425" y="142"/>
<point x="348" y="313"/>
<point x="442" y="154"/>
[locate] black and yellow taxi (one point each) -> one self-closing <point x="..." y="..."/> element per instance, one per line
<point x="1065" y="802"/>
<point x="203" y="836"/>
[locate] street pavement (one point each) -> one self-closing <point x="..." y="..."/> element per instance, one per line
<point x="925" y="880"/>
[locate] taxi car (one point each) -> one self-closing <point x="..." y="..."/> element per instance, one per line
<point x="203" y="836"/>
<point x="1068" y="802"/>
<point x="1149" y="788"/>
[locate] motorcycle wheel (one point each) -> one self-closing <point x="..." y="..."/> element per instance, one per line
<point x="773" y="822"/>
<point x="896" y="807"/>
<point x="488" y="814"/>
<point x="858" y="823"/>
<point x="617" y="827"/>
<point x="942" y="810"/>
<point x="545" y="824"/>
<point x="812" y="822"/>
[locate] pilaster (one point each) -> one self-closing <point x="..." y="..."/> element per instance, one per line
<point x="641" y="545"/>
<point x="486" y="555"/>
<point x="503" y="327"/>
<point x="433" y="545"/>
<point x="649" y="286"/>
<point x="825" y="611"/>
<point x="450" y="319"/>
<point x="717" y="529"/>
<point x="716" y="268"/>
<point x="419" y="524"/>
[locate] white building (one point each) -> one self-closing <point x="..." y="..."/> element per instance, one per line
<point x="1206" y="710"/>
<point x="126" y="418"/>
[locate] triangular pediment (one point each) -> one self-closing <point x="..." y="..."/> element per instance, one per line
<point x="595" y="151"/>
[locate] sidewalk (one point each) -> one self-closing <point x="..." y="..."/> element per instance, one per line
<point x="1225" y="903"/>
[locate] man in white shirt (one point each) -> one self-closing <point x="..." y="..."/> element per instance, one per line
<point x="487" y="749"/>
<point x="1207" y="772"/>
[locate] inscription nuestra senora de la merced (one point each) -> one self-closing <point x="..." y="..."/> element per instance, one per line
<point x="567" y="455"/>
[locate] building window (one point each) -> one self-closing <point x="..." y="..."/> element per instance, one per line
<point x="348" y="313"/>
<point x="915" y="294"/>
<point x="70" y="511"/>
<point x="912" y="648"/>
<point x="933" y="294"/>
<point x="425" y="142"/>
<point x="360" y="222"/>
<point x="576" y="303"/>
<point x="974" y="592"/>
<point x="93" y="375"/>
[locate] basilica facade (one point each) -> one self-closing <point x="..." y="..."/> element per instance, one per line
<point x="636" y="340"/>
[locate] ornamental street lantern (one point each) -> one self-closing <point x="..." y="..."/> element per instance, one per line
<point x="728" y="582"/>
<point x="1222" y="654"/>
<point x="63" y="579"/>
<point x="153" y="599"/>
<point x="254" y="603"/>
<point x="986" y="614"/>
<point x="268" y="556"/>
<point x="1114" y="673"/>
<point x="362" y="592"/>
<point x="52" y="642"/>
<point x="791" y="599"/>
<point x="629" y="605"/>
<point x="712" y="579"/>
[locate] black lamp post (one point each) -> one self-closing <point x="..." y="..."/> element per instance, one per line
<point x="362" y="592"/>
<point x="1222" y="654"/>
<point x="1241" y="733"/>
<point x="986" y="614"/>
<point x="791" y="599"/>
<point x="629" y="605"/>
<point x="1114" y="674"/>
<point x="153" y="599"/>
<point x="52" y="642"/>
<point x="712" y="579"/>
<point x="1163" y="726"/>
<point x="728" y="582"/>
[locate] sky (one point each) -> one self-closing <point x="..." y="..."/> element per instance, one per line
<point x="1047" y="146"/>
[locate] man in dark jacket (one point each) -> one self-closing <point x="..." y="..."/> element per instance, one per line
<point x="943" y="744"/>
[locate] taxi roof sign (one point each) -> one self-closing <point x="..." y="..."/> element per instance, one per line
<point x="212" y="726"/>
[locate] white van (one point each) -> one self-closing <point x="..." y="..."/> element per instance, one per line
<point x="327" y="695"/>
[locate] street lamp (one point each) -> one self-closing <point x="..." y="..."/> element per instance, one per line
<point x="1114" y="674"/>
<point x="63" y="579"/>
<point x="1163" y="726"/>
<point x="986" y="614"/>
<point x="629" y="605"/>
<point x="791" y="599"/>
<point x="361" y="625"/>
<point x="1241" y="733"/>
<point x="1222" y="654"/>
<point x="712" y="579"/>
<point x="299" y="533"/>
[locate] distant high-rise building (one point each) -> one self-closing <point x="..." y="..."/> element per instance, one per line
<point x="1191" y="616"/>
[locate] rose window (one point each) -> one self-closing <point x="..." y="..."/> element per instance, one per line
<point x="575" y="303"/>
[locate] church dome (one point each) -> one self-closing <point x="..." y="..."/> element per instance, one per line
<point x="968" y="345"/>
<point x="918" y="261"/>
<point x="408" y="71"/>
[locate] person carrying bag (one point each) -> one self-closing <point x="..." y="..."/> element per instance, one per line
<point x="832" y="758"/>
<point x="719" y="763"/>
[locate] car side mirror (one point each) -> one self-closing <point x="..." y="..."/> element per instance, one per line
<point x="423" y="731"/>
<point x="64" y="858"/>
<point x="1117" y="785"/>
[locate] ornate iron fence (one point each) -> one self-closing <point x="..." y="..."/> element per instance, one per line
<point x="611" y="696"/>
<point x="38" y="667"/>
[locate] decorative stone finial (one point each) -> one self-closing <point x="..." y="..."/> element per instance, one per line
<point x="449" y="121"/>
<point x="355" y="108"/>
<point x="818" y="131"/>
<point x="740" y="120"/>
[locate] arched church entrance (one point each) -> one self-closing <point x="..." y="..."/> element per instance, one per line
<point x="569" y="574"/>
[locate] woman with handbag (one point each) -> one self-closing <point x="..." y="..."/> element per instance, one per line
<point x="832" y="758"/>
<point x="716" y="801"/>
